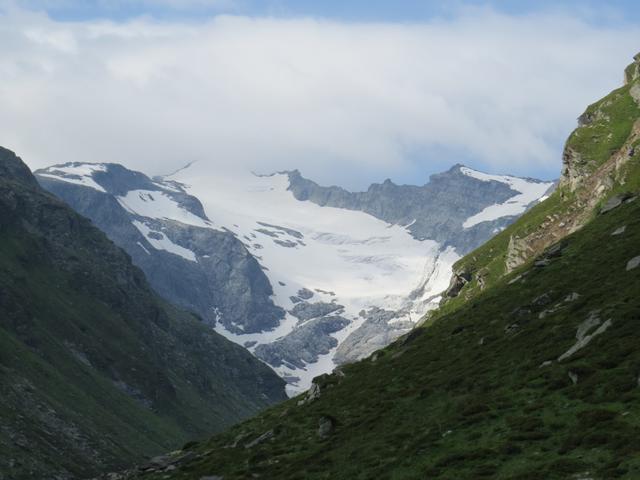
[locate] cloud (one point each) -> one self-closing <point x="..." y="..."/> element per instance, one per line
<point x="499" y="91"/>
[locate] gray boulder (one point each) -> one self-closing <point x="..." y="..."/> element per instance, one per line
<point x="304" y="344"/>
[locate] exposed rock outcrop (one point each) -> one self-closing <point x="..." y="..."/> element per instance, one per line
<point x="304" y="344"/>
<point x="632" y="72"/>
<point x="380" y="328"/>
<point x="458" y="281"/>
<point x="596" y="160"/>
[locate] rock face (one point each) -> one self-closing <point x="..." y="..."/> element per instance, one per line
<point x="632" y="72"/>
<point x="458" y="280"/>
<point x="380" y="328"/>
<point x="304" y="311"/>
<point x="304" y="344"/>
<point x="167" y="235"/>
<point x="96" y="371"/>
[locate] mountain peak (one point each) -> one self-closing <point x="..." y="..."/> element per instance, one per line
<point x="632" y="72"/>
<point x="12" y="167"/>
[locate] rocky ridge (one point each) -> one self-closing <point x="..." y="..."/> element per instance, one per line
<point x="436" y="210"/>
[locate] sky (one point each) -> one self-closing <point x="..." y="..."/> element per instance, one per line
<point x="349" y="92"/>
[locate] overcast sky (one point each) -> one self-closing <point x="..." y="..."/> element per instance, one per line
<point x="349" y="92"/>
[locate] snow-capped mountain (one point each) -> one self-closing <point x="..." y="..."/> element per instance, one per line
<point x="304" y="276"/>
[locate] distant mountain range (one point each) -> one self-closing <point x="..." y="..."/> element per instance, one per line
<point x="306" y="277"/>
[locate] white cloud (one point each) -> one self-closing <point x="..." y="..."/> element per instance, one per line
<point x="323" y="96"/>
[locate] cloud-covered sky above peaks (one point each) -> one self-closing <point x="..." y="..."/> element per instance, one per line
<point x="348" y="92"/>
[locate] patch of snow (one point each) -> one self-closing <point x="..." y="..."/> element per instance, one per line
<point x="159" y="205"/>
<point x="77" y="173"/>
<point x="163" y="243"/>
<point x="143" y="248"/>
<point x="528" y="192"/>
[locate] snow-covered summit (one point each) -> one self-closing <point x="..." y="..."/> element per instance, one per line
<point x="76" y="173"/>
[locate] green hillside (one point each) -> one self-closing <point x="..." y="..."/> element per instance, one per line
<point x="601" y="159"/>
<point x="96" y="372"/>
<point x="530" y="371"/>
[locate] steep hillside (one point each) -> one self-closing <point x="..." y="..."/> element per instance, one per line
<point x="306" y="277"/>
<point x="97" y="372"/>
<point x="535" y="375"/>
<point x="601" y="166"/>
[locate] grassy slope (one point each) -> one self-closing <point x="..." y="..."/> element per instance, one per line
<point x="76" y="321"/>
<point x="466" y="399"/>
<point x="613" y="119"/>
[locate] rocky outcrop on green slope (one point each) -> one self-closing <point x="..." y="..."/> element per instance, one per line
<point x="96" y="372"/>
<point x="600" y="161"/>
<point x="632" y="72"/>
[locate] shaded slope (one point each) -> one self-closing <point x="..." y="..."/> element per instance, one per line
<point x="95" y="371"/>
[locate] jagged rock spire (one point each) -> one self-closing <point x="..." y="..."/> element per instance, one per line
<point x="632" y="72"/>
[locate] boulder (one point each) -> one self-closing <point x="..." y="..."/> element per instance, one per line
<point x="459" y="280"/>
<point x="583" y="337"/>
<point x="262" y="438"/>
<point x="326" y="426"/>
<point x="312" y="394"/>
<point x="633" y="263"/>
<point x="614" y="202"/>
